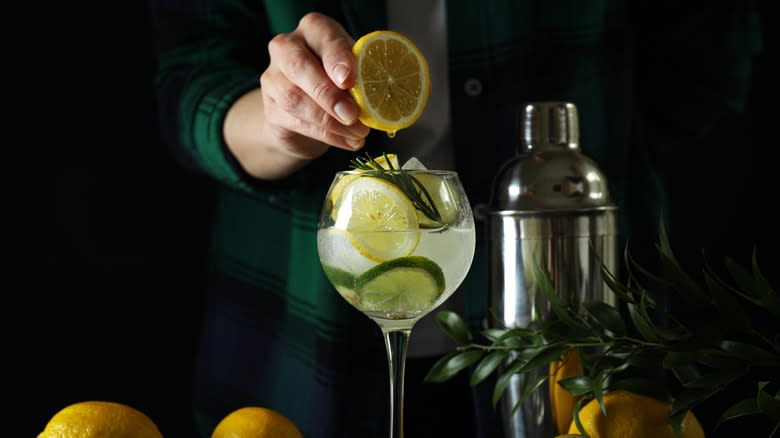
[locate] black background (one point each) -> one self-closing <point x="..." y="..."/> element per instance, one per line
<point x="103" y="291"/>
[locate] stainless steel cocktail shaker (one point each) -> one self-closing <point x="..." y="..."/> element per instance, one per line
<point x="550" y="205"/>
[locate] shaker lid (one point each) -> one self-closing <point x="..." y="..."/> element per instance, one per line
<point x="548" y="124"/>
<point x="550" y="173"/>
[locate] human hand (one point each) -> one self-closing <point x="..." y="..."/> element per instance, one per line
<point x="305" y="102"/>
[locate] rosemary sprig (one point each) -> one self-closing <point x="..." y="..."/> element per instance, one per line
<point x="408" y="184"/>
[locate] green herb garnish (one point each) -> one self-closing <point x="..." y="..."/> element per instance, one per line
<point x="408" y="184"/>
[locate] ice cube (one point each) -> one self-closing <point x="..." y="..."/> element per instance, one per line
<point x="336" y="250"/>
<point x="413" y="164"/>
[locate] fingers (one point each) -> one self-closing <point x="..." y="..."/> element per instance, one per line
<point x="291" y="54"/>
<point x="296" y="112"/>
<point x="305" y="84"/>
<point x="333" y="45"/>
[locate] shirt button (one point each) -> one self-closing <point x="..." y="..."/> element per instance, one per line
<point x="472" y="87"/>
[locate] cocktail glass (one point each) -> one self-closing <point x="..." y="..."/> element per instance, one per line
<point x="396" y="244"/>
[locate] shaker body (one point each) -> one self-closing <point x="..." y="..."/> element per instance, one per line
<point x="567" y="246"/>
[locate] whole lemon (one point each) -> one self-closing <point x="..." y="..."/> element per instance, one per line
<point x="633" y="415"/>
<point x="100" y="419"/>
<point x="256" y="422"/>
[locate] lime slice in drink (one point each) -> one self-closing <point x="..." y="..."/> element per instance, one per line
<point x="343" y="281"/>
<point x="339" y="277"/>
<point x="379" y="219"/>
<point x="404" y="285"/>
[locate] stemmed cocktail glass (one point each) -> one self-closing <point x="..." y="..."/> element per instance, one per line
<point x="395" y="244"/>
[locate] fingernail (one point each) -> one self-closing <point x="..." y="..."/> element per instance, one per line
<point x="346" y="112"/>
<point x="340" y="73"/>
<point x="359" y="129"/>
<point x="355" y="143"/>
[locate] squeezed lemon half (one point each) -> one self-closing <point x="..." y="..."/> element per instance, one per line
<point x="393" y="81"/>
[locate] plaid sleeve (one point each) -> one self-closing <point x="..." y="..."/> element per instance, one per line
<point x="209" y="53"/>
<point x="694" y="61"/>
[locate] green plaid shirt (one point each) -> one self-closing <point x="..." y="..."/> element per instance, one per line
<point x="645" y="78"/>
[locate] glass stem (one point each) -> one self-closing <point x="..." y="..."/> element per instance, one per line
<point x="396" y="342"/>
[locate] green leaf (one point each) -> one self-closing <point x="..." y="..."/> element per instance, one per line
<point x="528" y="390"/>
<point x="609" y="364"/>
<point x="516" y="339"/>
<point x="554" y="331"/>
<point x="707" y="333"/>
<point x="676" y="333"/>
<point x="767" y="295"/>
<point x="455" y="327"/>
<point x="544" y="356"/>
<point x="645" y="359"/>
<point x="641" y="324"/>
<point x="766" y="403"/>
<point x="576" y="416"/>
<point x="728" y="306"/>
<point x="487" y="366"/>
<point x="637" y="289"/>
<point x="686" y="373"/>
<point x="493" y="334"/>
<point x="597" y="389"/>
<point x="750" y="353"/>
<point x="621" y="291"/>
<point x="748" y="406"/>
<point x="744" y="281"/>
<point x="451" y="364"/>
<point x="606" y="316"/>
<point x="677" y="359"/>
<point x="688" y="398"/>
<point x="527" y="360"/>
<point x="676" y="421"/>
<point x="685" y="286"/>
<point x="576" y="385"/>
<point x="557" y="305"/>
<point x="504" y="379"/>
<point x="718" y="361"/>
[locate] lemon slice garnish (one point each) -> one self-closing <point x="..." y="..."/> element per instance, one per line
<point x="378" y="218"/>
<point x="387" y="161"/>
<point x="393" y="82"/>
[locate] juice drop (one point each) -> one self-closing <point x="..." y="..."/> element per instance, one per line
<point x="391" y="134"/>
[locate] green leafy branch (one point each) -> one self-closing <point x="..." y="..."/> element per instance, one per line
<point x="408" y="184"/>
<point x="738" y="343"/>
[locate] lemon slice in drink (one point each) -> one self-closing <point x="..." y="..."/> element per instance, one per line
<point x="378" y="218"/>
<point x="387" y="161"/>
<point x="393" y="82"/>
<point x="406" y="285"/>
